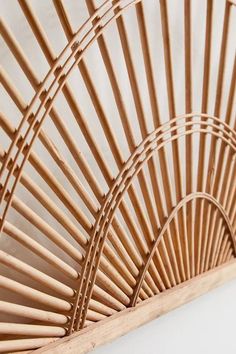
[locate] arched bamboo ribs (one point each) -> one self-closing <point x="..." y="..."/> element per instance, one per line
<point x="119" y="192"/>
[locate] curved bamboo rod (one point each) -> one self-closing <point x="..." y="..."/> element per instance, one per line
<point x="184" y="201"/>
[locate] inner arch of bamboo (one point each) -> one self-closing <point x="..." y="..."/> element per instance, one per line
<point x="132" y="167"/>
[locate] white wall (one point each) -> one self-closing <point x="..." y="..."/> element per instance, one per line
<point x="203" y="326"/>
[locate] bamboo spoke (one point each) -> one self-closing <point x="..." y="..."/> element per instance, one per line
<point x="40" y="250"/>
<point x="31" y="330"/>
<point x="35" y="274"/>
<point x="217" y="110"/>
<point x="202" y="143"/>
<point x="32" y="313"/>
<point x="188" y="141"/>
<point x="172" y="113"/>
<point x="22" y="344"/>
<point x="35" y="295"/>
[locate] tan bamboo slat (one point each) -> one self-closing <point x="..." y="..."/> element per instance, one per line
<point x="204" y="107"/>
<point x="38" y="249"/>
<point x="32" y="313"/>
<point x="188" y="143"/>
<point x="31" y="330"/>
<point x="21" y="344"/>
<point x="172" y="113"/>
<point x="35" y="295"/>
<point x="35" y="274"/>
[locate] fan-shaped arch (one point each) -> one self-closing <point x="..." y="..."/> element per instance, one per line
<point x="117" y="176"/>
<point x="154" y="142"/>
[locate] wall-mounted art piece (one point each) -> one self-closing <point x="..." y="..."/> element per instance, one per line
<point x="117" y="165"/>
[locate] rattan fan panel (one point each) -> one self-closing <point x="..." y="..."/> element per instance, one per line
<point x="107" y="198"/>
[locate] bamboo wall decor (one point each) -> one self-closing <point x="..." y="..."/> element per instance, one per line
<point x="117" y="173"/>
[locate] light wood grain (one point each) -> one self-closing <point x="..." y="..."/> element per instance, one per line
<point x="148" y="310"/>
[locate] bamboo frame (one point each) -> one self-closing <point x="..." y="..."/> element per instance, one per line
<point x="152" y="231"/>
<point x="130" y="319"/>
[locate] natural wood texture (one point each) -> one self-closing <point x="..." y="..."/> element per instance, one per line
<point x="130" y="319"/>
<point x="115" y="193"/>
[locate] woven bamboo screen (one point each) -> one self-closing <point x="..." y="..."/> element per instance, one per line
<point x="118" y="143"/>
